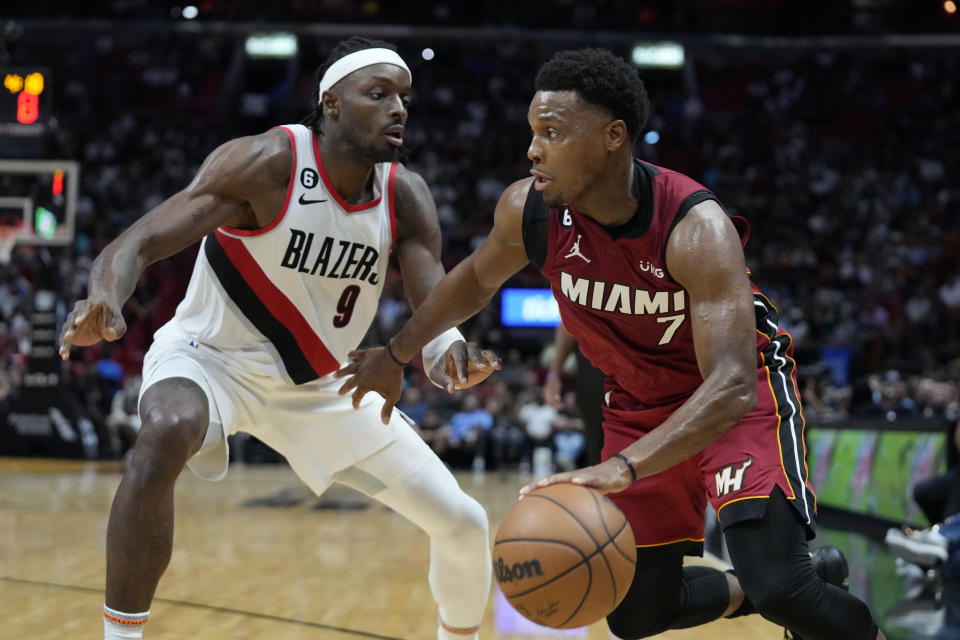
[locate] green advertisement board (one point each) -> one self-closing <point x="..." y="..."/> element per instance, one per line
<point x="873" y="472"/>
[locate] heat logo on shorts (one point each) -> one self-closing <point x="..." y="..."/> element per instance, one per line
<point x="519" y="571"/>
<point x="730" y="478"/>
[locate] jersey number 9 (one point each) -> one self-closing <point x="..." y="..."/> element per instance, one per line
<point x="345" y="306"/>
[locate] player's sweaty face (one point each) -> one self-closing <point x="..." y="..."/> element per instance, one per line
<point x="567" y="148"/>
<point x="375" y="101"/>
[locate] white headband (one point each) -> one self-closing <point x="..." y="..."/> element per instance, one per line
<point x="358" y="60"/>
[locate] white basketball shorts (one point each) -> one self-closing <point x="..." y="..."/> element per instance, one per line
<point x="317" y="430"/>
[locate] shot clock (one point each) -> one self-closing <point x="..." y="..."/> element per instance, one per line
<point x="24" y="101"/>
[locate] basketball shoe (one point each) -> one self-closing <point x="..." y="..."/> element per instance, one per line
<point x="831" y="566"/>
<point x="926" y="547"/>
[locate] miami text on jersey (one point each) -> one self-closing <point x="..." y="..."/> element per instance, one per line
<point x="620" y="298"/>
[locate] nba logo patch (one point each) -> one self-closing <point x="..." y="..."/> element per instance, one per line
<point x="194" y="344"/>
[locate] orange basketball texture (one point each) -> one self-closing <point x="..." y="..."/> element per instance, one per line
<point x="564" y="556"/>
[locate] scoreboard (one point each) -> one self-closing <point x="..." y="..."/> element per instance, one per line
<point x="24" y="101"/>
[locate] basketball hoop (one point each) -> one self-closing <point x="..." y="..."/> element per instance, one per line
<point x="8" y="238"/>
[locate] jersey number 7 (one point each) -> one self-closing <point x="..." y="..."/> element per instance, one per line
<point x="675" y="322"/>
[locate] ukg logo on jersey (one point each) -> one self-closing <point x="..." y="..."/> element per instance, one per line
<point x="648" y="267"/>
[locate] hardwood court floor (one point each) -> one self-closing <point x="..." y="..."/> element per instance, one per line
<point x="340" y="567"/>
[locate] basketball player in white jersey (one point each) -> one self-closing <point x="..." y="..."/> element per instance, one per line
<point x="297" y="225"/>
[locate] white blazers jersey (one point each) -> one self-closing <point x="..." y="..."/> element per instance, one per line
<point x="303" y="290"/>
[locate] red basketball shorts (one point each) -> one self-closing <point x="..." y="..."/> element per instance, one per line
<point x="737" y="472"/>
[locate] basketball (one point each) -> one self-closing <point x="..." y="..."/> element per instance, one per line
<point x="564" y="556"/>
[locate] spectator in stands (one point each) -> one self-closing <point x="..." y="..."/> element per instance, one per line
<point x="413" y="404"/>
<point x="823" y="399"/>
<point x="537" y="418"/>
<point x="469" y="429"/>
<point x="588" y="385"/>
<point x="434" y="432"/>
<point x="569" y="437"/>
<point x="123" y="421"/>
<point x="889" y="397"/>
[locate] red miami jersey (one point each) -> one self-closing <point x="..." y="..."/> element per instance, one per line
<point x="632" y="320"/>
<point x="616" y="297"/>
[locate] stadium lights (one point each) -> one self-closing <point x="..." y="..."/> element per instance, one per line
<point x="271" y="45"/>
<point x="661" y="55"/>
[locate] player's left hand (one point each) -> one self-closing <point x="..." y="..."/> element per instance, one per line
<point x="609" y="476"/>
<point x="372" y="370"/>
<point x="463" y="365"/>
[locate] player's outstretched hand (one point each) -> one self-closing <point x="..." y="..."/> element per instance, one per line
<point x="609" y="476"/>
<point x="463" y="365"/>
<point x="553" y="391"/>
<point x="91" y="321"/>
<point x="372" y="370"/>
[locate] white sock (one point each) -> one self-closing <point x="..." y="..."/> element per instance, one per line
<point x="446" y="632"/>
<point x="123" y="626"/>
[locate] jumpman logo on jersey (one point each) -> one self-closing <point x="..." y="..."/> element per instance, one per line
<point x="575" y="250"/>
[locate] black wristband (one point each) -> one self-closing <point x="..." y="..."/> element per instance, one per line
<point x="396" y="359"/>
<point x="633" y="472"/>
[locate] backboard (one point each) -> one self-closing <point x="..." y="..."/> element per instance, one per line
<point x="40" y="196"/>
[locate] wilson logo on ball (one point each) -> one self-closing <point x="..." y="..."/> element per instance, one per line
<point x="519" y="571"/>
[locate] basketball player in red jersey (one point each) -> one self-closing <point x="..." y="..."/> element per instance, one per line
<point x="701" y="399"/>
<point x="297" y="225"/>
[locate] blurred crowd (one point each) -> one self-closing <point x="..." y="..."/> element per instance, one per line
<point x="656" y="16"/>
<point x="844" y="165"/>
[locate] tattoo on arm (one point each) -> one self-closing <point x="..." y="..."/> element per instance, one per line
<point x="197" y="215"/>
